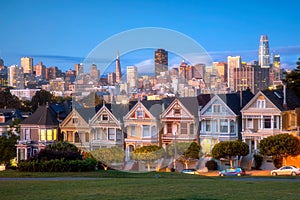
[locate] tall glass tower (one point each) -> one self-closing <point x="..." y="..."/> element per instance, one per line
<point x="263" y="53"/>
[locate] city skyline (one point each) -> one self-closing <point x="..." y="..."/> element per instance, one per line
<point x="63" y="33"/>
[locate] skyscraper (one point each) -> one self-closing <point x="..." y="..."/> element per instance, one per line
<point x="16" y="77"/>
<point x="27" y="65"/>
<point x="118" y="69"/>
<point x="160" y="61"/>
<point x="132" y="76"/>
<point x="263" y="53"/>
<point x="94" y="73"/>
<point x="232" y="63"/>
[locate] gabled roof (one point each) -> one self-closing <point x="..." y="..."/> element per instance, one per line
<point x="277" y="97"/>
<point x="156" y="107"/>
<point x="44" y="115"/>
<point x="193" y="103"/>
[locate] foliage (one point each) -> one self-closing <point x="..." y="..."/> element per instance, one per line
<point x="148" y="153"/>
<point x="107" y="156"/>
<point x="229" y="150"/>
<point x="282" y="145"/>
<point x="7" y="147"/>
<point x="211" y="165"/>
<point x="41" y="98"/>
<point x="258" y="159"/>
<point x="7" y="100"/>
<point x="277" y="161"/>
<point x="181" y="147"/>
<point x="92" y="100"/>
<point x="57" y="165"/>
<point x="292" y="79"/>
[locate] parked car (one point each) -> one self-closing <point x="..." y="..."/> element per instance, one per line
<point x="237" y="171"/>
<point x="190" y="171"/>
<point x="286" y="170"/>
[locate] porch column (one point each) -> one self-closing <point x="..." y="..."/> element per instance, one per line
<point x="228" y="126"/>
<point x="255" y="145"/>
<point x="25" y="153"/>
<point x="272" y="122"/>
<point x="261" y="122"/>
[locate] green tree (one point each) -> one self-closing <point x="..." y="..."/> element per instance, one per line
<point x="292" y="79"/>
<point x="187" y="152"/>
<point x="148" y="154"/>
<point x="229" y="150"/>
<point x="7" y="147"/>
<point x="92" y="100"/>
<point x="7" y="100"/>
<point x="41" y="98"/>
<point x="281" y="145"/>
<point x="107" y="156"/>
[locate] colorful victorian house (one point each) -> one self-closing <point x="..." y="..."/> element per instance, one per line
<point x="38" y="130"/>
<point x="180" y="121"/>
<point x="143" y="124"/>
<point x="267" y="114"/>
<point x="221" y="119"/>
<point x="75" y="127"/>
<point x="107" y="126"/>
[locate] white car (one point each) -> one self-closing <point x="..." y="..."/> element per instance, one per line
<point x="286" y="170"/>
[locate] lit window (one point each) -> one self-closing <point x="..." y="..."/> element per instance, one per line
<point x="54" y="134"/>
<point x="49" y="134"/>
<point x="43" y="135"/>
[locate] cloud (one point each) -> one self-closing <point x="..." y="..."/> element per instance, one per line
<point x="145" y="66"/>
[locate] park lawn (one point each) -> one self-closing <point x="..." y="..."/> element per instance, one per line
<point x="148" y="186"/>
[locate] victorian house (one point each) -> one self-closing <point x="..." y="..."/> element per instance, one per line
<point x="38" y="130"/>
<point x="180" y="121"/>
<point x="221" y="119"/>
<point x="269" y="112"/>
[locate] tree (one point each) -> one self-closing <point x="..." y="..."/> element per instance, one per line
<point x="187" y="152"/>
<point x="7" y="100"/>
<point x="92" y="100"/>
<point x="148" y="154"/>
<point x="7" y="147"/>
<point x="41" y="98"/>
<point x="281" y="145"/>
<point x="292" y="79"/>
<point x="107" y="156"/>
<point x="229" y="150"/>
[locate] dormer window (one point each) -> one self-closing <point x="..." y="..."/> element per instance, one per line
<point x="104" y="117"/>
<point x="216" y="108"/>
<point x="139" y="113"/>
<point x="75" y="120"/>
<point x="177" y="110"/>
<point x="261" y="104"/>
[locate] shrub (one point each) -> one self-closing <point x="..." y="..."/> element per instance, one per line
<point x="211" y="165"/>
<point x="277" y="161"/>
<point x="258" y="159"/>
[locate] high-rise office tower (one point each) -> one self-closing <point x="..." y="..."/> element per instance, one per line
<point x="78" y="68"/>
<point x="40" y="70"/>
<point x="118" y="69"/>
<point x="16" y="77"/>
<point x="263" y="53"/>
<point x="27" y="65"/>
<point x="232" y="63"/>
<point x="94" y="73"/>
<point x="275" y="71"/>
<point x="3" y="74"/>
<point x="132" y="76"/>
<point x="160" y="61"/>
<point x="111" y="78"/>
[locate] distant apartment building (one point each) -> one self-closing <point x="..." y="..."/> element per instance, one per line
<point x="53" y="72"/>
<point x="3" y="74"/>
<point x="16" y="77"/>
<point x="275" y="70"/>
<point x="24" y="94"/>
<point x="78" y="68"/>
<point x="160" y="61"/>
<point x="94" y="73"/>
<point x="132" y="76"/>
<point x="263" y="52"/>
<point x="111" y="78"/>
<point x="27" y="64"/>
<point x="232" y="63"/>
<point x="221" y="70"/>
<point x="40" y="70"/>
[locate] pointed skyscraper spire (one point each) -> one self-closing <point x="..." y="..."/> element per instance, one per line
<point x="118" y="69"/>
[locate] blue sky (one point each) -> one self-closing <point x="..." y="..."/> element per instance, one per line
<point x="63" y="32"/>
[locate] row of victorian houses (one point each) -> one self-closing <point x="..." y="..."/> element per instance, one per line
<point x="206" y="119"/>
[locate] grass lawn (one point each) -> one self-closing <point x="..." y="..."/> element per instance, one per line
<point x="121" y="185"/>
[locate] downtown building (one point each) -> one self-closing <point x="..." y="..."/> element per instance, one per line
<point x="160" y="61"/>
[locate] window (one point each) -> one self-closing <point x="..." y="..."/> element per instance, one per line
<point x="54" y="134"/>
<point x="87" y="138"/>
<point x="27" y="134"/>
<point x="97" y="134"/>
<point x="267" y="121"/>
<point x="43" y="135"/>
<point x="77" y="139"/>
<point x="207" y="126"/>
<point x="223" y="126"/>
<point x="146" y="131"/>
<point x="232" y="126"/>
<point x="49" y="134"/>
<point x="119" y="135"/>
<point x="176" y="110"/>
<point x="276" y="122"/>
<point x="216" y="108"/>
<point x="153" y="130"/>
<point x="104" y="117"/>
<point x="249" y="123"/>
<point x="183" y="128"/>
<point x="261" y="104"/>
<point x="169" y="128"/>
<point x="75" y="120"/>
<point x="111" y="133"/>
<point x="70" y="136"/>
<point x="132" y="131"/>
<point x="139" y="113"/>
<point x="192" y="128"/>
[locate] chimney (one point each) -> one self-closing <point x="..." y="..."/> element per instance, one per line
<point x="284" y="97"/>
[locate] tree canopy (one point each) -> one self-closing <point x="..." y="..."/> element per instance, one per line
<point x="7" y="100"/>
<point x="7" y="147"/>
<point x="229" y="150"/>
<point x="281" y="145"/>
<point x="107" y="156"/>
<point x="41" y="98"/>
<point x="148" y="153"/>
<point x="292" y="79"/>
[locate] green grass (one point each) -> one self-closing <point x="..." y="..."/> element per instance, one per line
<point x="122" y="185"/>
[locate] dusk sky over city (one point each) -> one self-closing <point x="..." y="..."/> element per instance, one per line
<point x="63" y="33"/>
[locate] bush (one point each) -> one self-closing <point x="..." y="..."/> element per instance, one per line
<point x="277" y="161"/>
<point x="211" y="165"/>
<point x="258" y="159"/>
